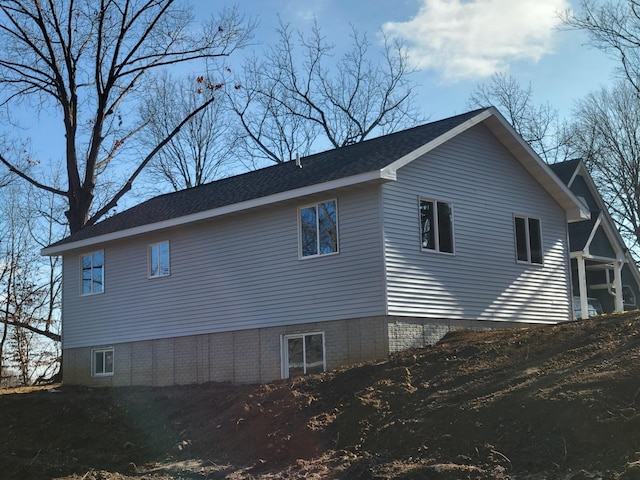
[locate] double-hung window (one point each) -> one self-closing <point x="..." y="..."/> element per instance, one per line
<point x="528" y="239"/>
<point x="159" y="259"/>
<point x="318" y="229"/>
<point x="93" y="272"/>
<point x="436" y="226"/>
<point x="102" y="361"/>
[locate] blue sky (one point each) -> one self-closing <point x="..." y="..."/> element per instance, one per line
<point x="456" y="44"/>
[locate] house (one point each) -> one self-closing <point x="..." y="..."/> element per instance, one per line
<point x="342" y="257"/>
<point x="602" y="268"/>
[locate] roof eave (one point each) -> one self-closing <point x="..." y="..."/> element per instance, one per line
<point x="528" y="158"/>
<point x="575" y="210"/>
<point x="436" y="142"/>
<point x="375" y="176"/>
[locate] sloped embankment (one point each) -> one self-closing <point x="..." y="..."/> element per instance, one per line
<point x="543" y="402"/>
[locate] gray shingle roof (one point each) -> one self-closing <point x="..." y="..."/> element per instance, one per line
<point x="564" y="170"/>
<point x="579" y="232"/>
<point x="367" y="156"/>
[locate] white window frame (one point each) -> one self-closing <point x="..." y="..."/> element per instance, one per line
<point x="318" y="253"/>
<point x="91" y="291"/>
<point x="103" y="351"/>
<point x="150" y="248"/>
<point x="284" y="351"/>
<point x="437" y="248"/>
<point x="529" y="260"/>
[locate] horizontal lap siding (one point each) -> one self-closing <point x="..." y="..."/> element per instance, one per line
<point x="482" y="280"/>
<point x="233" y="273"/>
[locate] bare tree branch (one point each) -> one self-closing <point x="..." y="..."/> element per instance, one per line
<point x="297" y="96"/>
<point x="92" y="62"/>
<point x="537" y="124"/>
<point x="203" y="147"/>
<point x="613" y="27"/>
<point x="159" y="146"/>
<point x="606" y="135"/>
<point x="22" y="174"/>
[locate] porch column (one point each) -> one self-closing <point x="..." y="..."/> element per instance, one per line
<point x="582" y="284"/>
<point x="617" y="285"/>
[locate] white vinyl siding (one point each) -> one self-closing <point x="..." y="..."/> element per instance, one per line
<point x="481" y="281"/>
<point x="235" y="273"/>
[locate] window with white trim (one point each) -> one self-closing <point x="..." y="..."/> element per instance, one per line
<point x="102" y="361"/>
<point x="318" y="229"/>
<point x="93" y="272"/>
<point x="528" y="239"/>
<point x="436" y="226"/>
<point x="303" y="354"/>
<point x="159" y="259"/>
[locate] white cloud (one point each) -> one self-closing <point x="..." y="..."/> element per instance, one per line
<point x="467" y="39"/>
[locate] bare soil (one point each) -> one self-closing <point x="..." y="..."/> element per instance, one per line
<point x="547" y="402"/>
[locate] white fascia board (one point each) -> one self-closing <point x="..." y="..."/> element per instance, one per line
<point x="577" y="214"/>
<point x="374" y="176"/>
<point x="532" y="162"/>
<point x="523" y="152"/>
<point x="445" y="137"/>
<point x="575" y="209"/>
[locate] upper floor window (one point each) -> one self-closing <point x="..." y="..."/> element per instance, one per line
<point x="436" y="226"/>
<point x="93" y="272"/>
<point x="528" y="239"/>
<point x="319" y="229"/>
<point x="159" y="259"/>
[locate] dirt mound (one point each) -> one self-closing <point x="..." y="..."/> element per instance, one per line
<point x="542" y="402"/>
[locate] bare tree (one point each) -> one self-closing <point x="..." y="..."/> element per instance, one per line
<point x="29" y="287"/>
<point x="613" y="27"/>
<point x="296" y="95"/>
<point x="90" y="62"/>
<point x="606" y="135"/>
<point x="202" y="150"/>
<point x="539" y="125"/>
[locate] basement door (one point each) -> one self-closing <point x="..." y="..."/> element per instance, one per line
<point x="302" y="354"/>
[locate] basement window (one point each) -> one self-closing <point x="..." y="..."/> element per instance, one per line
<point x="102" y="362"/>
<point x="303" y="354"/>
